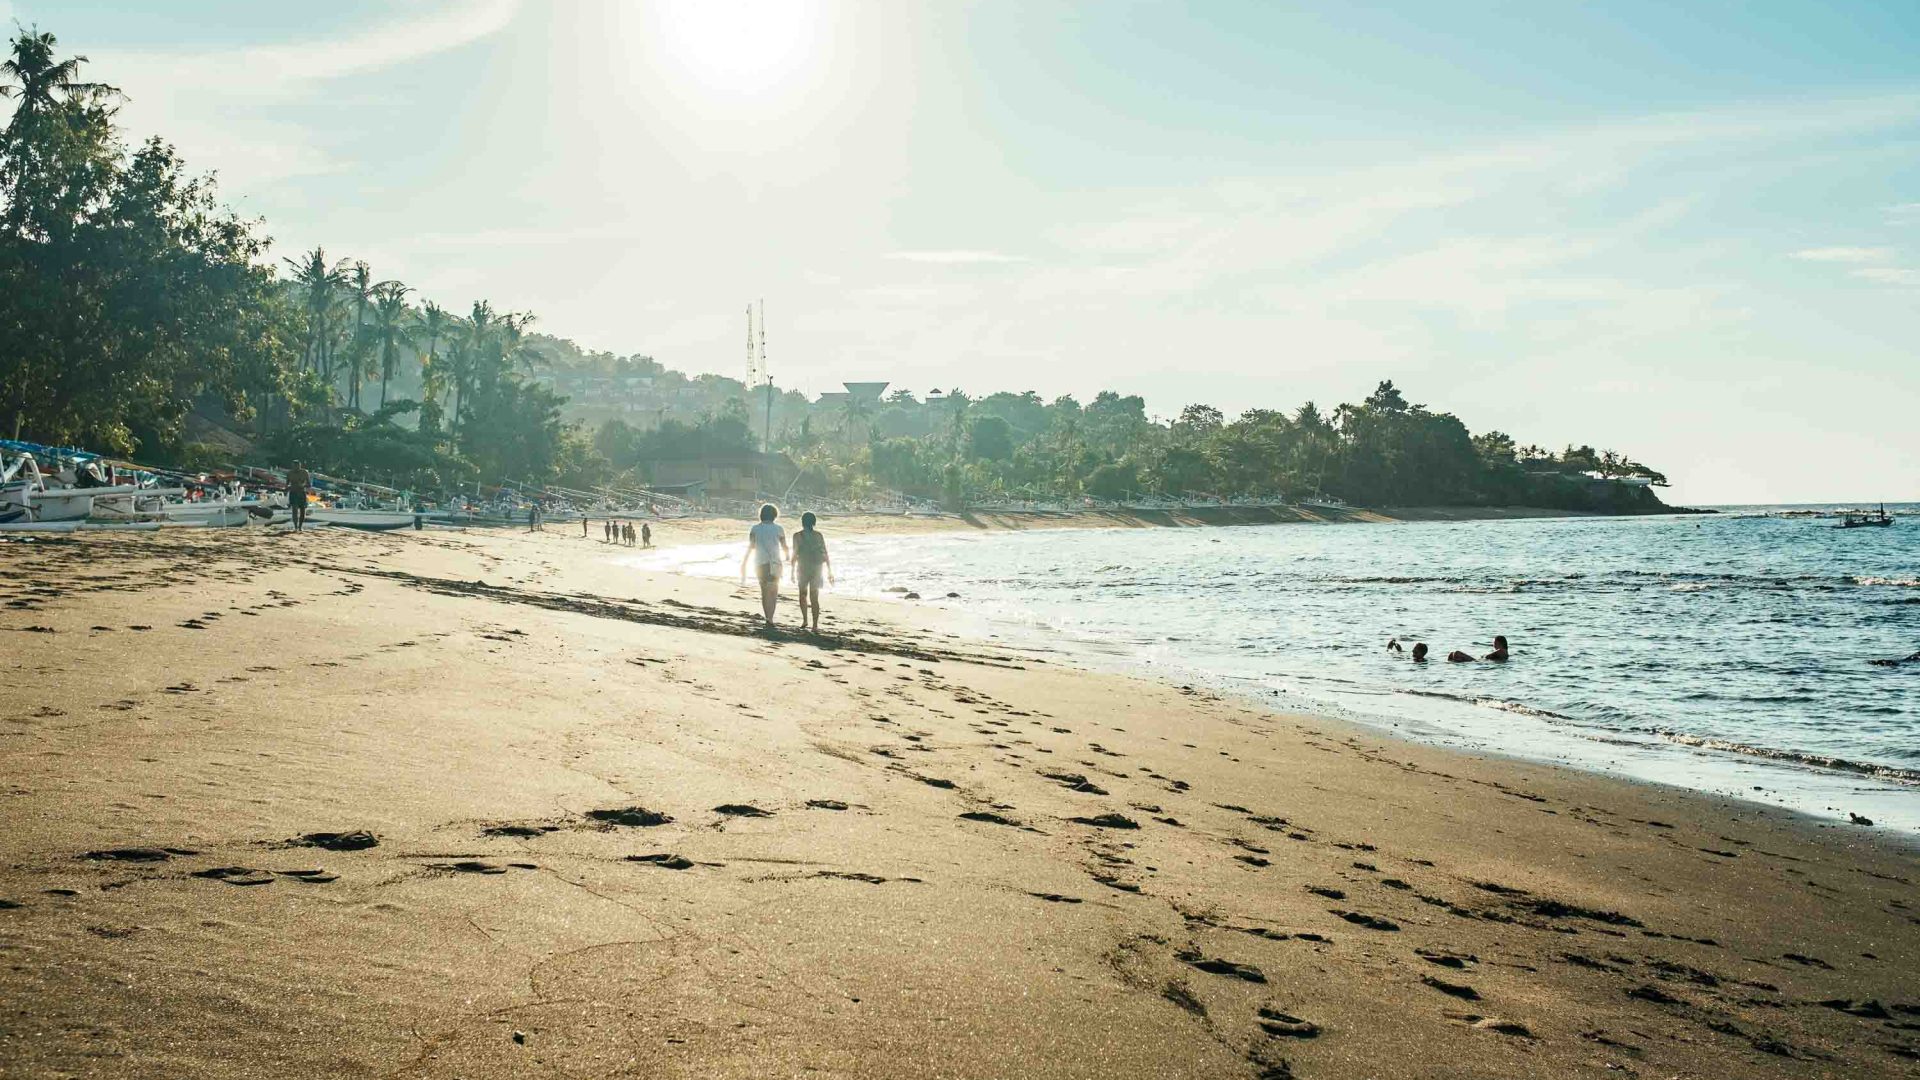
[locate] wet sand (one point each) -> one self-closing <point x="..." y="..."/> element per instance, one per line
<point x="486" y="805"/>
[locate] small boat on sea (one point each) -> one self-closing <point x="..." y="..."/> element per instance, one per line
<point x="1863" y="520"/>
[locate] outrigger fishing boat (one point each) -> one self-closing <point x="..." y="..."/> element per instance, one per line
<point x="1862" y="520"/>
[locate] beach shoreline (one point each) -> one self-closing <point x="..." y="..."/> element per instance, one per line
<point x="892" y="851"/>
<point x="712" y="528"/>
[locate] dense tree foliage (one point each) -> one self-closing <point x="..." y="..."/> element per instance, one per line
<point x="130" y="299"/>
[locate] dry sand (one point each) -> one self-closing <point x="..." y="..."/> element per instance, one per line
<point x="582" y="822"/>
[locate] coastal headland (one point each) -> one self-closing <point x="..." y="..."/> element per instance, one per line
<point x="475" y="805"/>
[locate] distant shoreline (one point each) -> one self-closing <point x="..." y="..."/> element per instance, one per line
<point x="709" y="528"/>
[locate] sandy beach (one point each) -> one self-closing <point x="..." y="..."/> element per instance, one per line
<point x="488" y="805"/>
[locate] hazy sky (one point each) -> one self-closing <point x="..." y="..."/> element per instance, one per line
<point x="1691" y="235"/>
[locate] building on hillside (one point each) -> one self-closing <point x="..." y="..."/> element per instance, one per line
<point x="866" y="391"/>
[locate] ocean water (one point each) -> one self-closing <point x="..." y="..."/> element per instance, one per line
<point x="1726" y="653"/>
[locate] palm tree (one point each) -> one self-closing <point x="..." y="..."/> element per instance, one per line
<point x="33" y="78"/>
<point x="321" y="283"/>
<point x="958" y="403"/>
<point x="855" y="413"/>
<point x="42" y="85"/>
<point x="435" y="323"/>
<point x="515" y="349"/>
<point x="361" y="288"/>
<point x="391" y="317"/>
<point x="473" y="357"/>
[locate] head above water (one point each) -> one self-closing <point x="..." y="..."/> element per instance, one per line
<point x="768" y="511"/>
<point x="1499" y="641"/>
<point x="807" y="519"/>
<point x="1419" y="650"/>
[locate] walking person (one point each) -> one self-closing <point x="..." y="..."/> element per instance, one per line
<point x="767" y="550"/>
<point x="297" y="481"/>
<point x="810" y="560"/>
<point x="646" y="535"/>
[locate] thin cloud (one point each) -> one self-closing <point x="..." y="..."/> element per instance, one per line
<point x="1845" y="254"/>
<point x="1888" y="275"/>
<point x="956" y="258"/>
<point x="382" y="46"/>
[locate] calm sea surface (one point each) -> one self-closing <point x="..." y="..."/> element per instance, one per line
<point x="1726" y="653"/>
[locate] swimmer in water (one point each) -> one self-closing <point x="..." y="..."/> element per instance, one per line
<point x="1419" y="652"/>
<point x="1393" y="645"/>
<point x="1499" y="653"/>
<point x="1459" y="657"/>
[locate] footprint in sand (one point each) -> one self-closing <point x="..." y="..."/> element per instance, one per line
<point x="1216" y="966"/>
<point x="236" y="875"/>
<point x="519" y="832"/>
<point x="632" y="816"/>
<point x="310" y="877"/>
<point x="1446" y="959"/>
<point x="137" y="854"/>
<point x="468" y="866"/>
<point x="1371" y="922"/>
<point x="1107" y="821"/>
<point x="357" y="840"/>
<point x="1285" y="1025"/>
<point x="1459" y="990"/>
<point x="666" y="860"/>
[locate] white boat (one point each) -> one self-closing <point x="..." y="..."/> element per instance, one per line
<point x="78" y="526"/>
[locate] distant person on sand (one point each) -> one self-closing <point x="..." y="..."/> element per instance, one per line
<point x="583" y="526"/>
<point x="1419" y="652"/>
<point x="767" y="550"/>
<point x="810" y="560"/>
<point x="297" y="481"/>
<point x="1499" y="653"/>
<point x="646" y="535"/>
<point x="626" y="529"/>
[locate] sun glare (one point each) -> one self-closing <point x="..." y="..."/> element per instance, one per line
<point x="743" y="47"/>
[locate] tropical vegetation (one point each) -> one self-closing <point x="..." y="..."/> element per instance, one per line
<point x="139" y="316"/>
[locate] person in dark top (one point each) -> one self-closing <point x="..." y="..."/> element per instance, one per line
<point x="810" y="561"/>
<point x="1499" y="653"/>
<point x="297" y="481"/>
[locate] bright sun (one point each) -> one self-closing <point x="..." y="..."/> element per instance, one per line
<point x="744" y="47"/>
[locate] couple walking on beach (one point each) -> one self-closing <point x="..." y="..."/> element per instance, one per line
<point x="768" y="552"/>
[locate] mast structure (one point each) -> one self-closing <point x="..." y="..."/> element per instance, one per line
<point x="758" y="376"/>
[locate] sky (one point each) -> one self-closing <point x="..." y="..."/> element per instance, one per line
<point x="1688" y="232"/>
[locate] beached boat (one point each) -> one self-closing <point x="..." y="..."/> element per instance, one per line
<point x="23" y="526"/>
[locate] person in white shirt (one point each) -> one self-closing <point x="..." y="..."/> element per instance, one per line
<point x="767" y="550"/>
